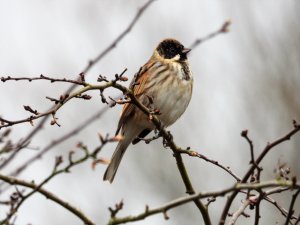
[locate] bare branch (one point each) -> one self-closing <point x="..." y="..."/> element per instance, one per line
<point x="114" y="211"/>
<point x="266" y="150"/>
<point x="255" y="201"/>
<point x="239" y="212"/>
<point x="298" y="220"/>
<point x="48" y="195"/>
<point x="119" y="38"/>
<point x="180" y="201"/>
<point x="223" y="29"/>
<point x="291" y="209"/>
<point x="43" y="77"/>
<point x="55" y="172"/>
<point x="282" y="210"/>
<point x="54" y="143"/>
<point x="214" y="162"/>
<point x="257" y="208"/>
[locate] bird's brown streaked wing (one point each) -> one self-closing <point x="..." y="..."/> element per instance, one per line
<point x="137" y="84"/>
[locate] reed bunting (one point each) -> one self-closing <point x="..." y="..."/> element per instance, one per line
<point x="165" y="82"/>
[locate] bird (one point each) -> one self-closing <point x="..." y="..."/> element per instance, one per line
<point x="165" y="82"/>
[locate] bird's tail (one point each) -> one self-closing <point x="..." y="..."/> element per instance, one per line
<point x="117" y="156"/>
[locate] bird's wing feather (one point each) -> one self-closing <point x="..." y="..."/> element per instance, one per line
<point x="137" y="85"/>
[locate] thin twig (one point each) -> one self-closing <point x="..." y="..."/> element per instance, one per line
<point x="239" y="212"/>
<point x="266" y="150"/>
<point x="282" y="210"/>
<point x="120" y="37"/>
<point x="291" y="209"/>
<point x="196" y="154"/>
<point x="298" y="220"/>
<point x="223" y="29"/>
<point x="257" y="208"/>
<point x="43" y="77"/>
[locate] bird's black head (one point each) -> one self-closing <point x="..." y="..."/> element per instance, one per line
<point x="169" y="48"/>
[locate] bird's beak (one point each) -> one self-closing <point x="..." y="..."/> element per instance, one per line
<point x="186" y="50"/>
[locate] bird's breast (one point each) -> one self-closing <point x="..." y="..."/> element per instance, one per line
<point x="172" y="93"/>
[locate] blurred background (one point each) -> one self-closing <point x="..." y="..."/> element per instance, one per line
<point x="248" y="78"/>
